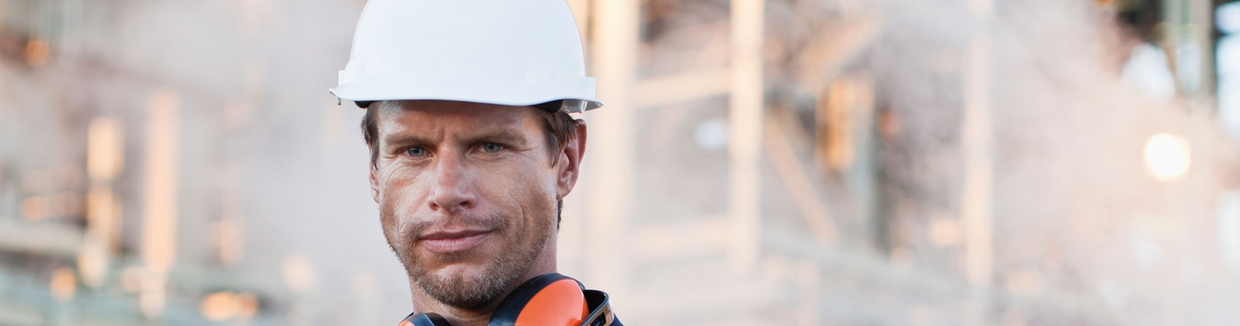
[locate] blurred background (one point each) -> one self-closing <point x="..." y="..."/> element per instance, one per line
<point x="758" y="162"/>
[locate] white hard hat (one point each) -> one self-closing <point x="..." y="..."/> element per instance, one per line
<point x="503" y="52"/>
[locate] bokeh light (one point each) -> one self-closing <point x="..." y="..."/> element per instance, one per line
<point x="1167" y="156"/>
<point x="220" y="306"/>
<point x="64" y="284"/>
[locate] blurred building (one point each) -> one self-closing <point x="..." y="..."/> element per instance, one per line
<point x="766" y="162"/>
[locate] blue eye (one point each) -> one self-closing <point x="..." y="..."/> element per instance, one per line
<point x="491" y="147"/>
<point x="416" y="151"/>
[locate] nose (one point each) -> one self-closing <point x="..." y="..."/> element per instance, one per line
<point x="452" y="189"/>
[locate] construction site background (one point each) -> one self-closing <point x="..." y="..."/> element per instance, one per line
<point x="757" y="162"/>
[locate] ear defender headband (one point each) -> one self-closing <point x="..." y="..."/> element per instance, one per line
<point x="547" y="300"/>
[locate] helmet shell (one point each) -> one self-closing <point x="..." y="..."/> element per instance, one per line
<point x="487" y="51"/>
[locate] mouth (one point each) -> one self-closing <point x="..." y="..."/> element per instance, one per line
<point x="445" y="242"/>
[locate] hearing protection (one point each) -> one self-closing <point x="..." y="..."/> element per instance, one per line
<point x="546" y="300"/>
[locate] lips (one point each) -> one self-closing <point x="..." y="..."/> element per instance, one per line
<point x="453" y="241"/>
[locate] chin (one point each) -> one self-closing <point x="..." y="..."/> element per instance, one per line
<point x="467" y="264"/>
<point x="462" y="270"/>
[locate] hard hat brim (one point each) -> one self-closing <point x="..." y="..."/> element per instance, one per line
<point x="467" y="90"/>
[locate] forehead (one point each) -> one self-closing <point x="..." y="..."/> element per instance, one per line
<point x="434" y="115"/>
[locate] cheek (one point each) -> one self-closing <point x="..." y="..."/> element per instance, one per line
<point x="537" y="206"/>
<point x="516" y="190"/>
<point x="398" y="198"/>
<point x="522" y="193"/>
<point x="393" y="222"/>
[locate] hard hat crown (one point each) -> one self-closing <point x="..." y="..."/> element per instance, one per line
<point x="489" y="51"/>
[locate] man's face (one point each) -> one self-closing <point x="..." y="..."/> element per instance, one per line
<point x="467" y="195"/>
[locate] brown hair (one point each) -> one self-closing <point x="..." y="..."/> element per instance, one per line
<point x="557" y="125"/>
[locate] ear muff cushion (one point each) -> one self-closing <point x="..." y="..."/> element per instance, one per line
<point x="546" y="300"/>
<point x="560" y="303"/>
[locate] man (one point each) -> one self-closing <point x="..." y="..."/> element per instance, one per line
<point x="472" y="149"/>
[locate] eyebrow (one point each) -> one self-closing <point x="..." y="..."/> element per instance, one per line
<point x="404" y="139"/>
<point x="505" y="135"/>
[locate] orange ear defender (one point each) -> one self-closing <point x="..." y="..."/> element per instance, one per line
<point x="547" y="300"/>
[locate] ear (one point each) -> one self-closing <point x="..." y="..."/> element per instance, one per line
<point x="570" y="160"/>
<point x="374" y="181"/>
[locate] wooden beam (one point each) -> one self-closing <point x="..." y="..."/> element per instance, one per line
<point x="745" y="141"/>
<point x="614" y="53"/>
<point x="826" y="57"/>
<point x="45" y="238"/>
<point x="798" y="183"/>
<point x="159" y="223"/>
<point x="662" y="91"/>
<point x="977" y="147"/>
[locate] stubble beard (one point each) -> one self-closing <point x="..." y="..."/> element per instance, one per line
<point x="501" y="274"/>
